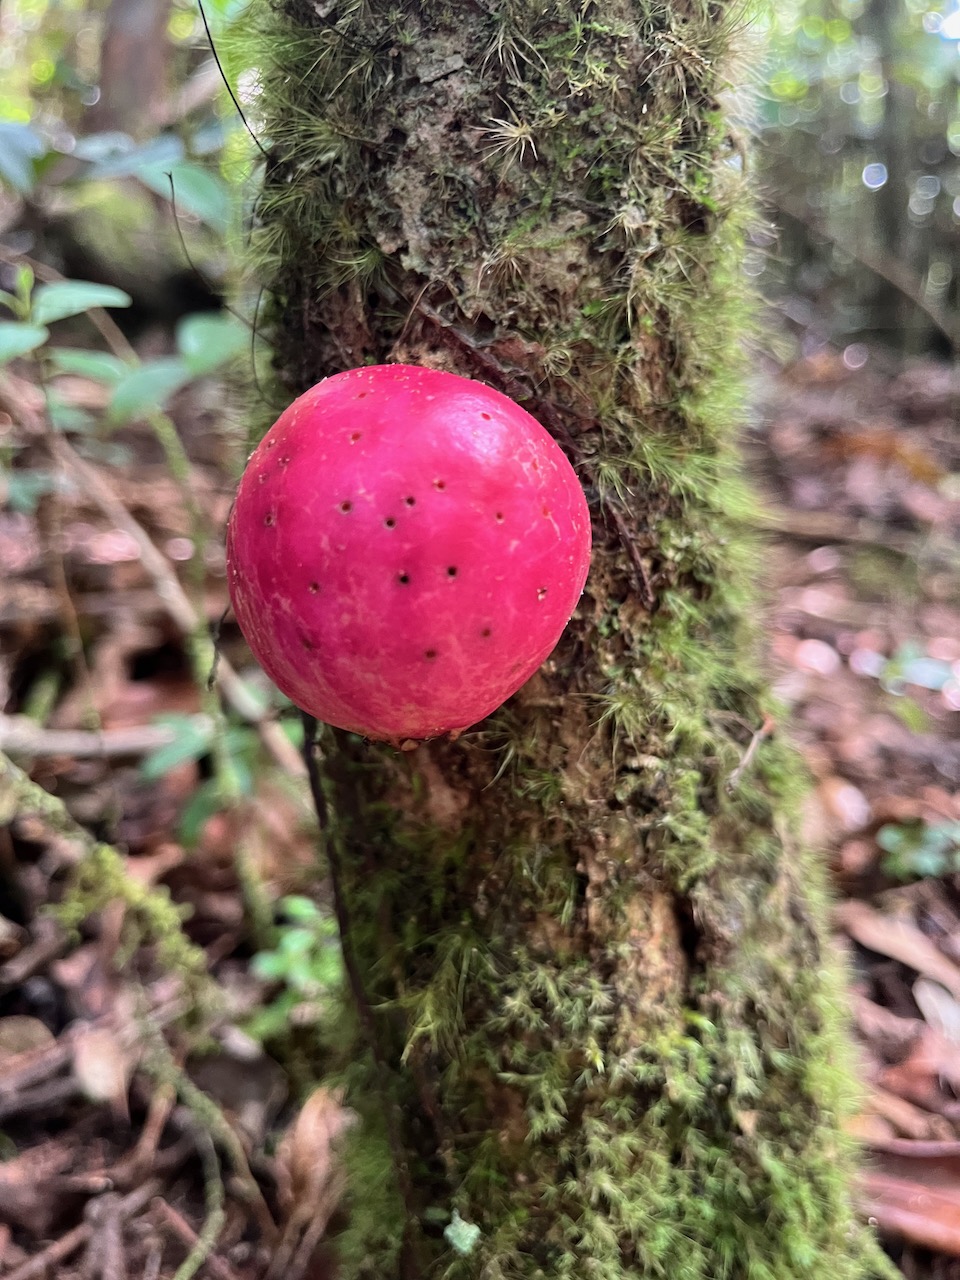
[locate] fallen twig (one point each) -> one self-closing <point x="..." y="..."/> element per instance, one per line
<point x="179" y="606"/>
<point x="22" y="736"/>
<point x="182" y="1229"/>
<point x="765" y="730"/>
<point x="40" y="1266"/>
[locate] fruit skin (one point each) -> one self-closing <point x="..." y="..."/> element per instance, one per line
<point x="405" y="550"/>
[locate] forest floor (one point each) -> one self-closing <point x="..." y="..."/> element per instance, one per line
<point x="118" y="1059"/>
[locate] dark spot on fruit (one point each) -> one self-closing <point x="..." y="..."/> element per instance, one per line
<point x="361" y="394"/>
<point x="390" y="522"/>
<point x="403" y="579"/>
<point x="411" y="502"/>
<point x="486" y="417"/>
<point x="541" y="592"/>
<point x="487" y="631"/>
<point x="546" y="511"/>
<point x="439" y="484"/>
<point x="284" y="460"/>
<point x="499" y="517"/>
<point x="430" y="654"/>
<point x="262" y="477"/>
<point x="346" y="506"/>
<point x="535" y="465"/>
<point x="307" y="644"/>
<point x="355" y="437"/>
<point x="269" y="519"/>
<point x="452" y="571"/>
<point x="314" y="588"/>
<point x="271" y="444"/>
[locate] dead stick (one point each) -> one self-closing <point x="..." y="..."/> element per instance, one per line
<point x="177" y="602"/>
<point x="22" y="736"/>
<point x="182" y="1229"/>
<point x="38" y="1267"/>
<point x="765" y="730"/>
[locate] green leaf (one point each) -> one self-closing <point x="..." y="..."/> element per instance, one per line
<point x="12" y="304"/>
<point x="269" y="965"/>
<point x="98" y="365"/>
<point x="191" y="740"/>
<point x="25" y="488"/>
<point x="19" y="147"/>
<point x="203" y="804"/>
<point x="67" y="417"/>
<point x="18" y="339"/>
<point x="24" y="285"/>
<point x="71" y="297"/>
<point x="147" y="388"/>
<point x="207" y="340"/>
<point x="328" y="967"/>
<point x="296" y="942"/>
<point x="116" y="155"/>
<point x="300" y="909"/>
<point x="273" y="1021"/>
<point x="195" y="191"/>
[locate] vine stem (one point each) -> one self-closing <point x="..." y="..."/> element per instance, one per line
<point x="412" y="1264"/>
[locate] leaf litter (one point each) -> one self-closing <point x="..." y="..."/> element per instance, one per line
<point x="142" y="1126"/>
<point x="861" y="472"/>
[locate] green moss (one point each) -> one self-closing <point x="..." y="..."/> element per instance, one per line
<point x="591" y="952"/>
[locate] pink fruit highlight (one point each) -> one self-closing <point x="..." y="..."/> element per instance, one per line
<point x="405" y="550"/>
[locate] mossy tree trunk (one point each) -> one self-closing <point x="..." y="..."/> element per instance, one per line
<point x="592" y="956"/>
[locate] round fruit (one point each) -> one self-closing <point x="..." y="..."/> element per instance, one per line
<point x="405" y="549"/>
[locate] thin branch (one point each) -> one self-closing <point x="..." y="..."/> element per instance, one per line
<point x="766" y="729"/>
<point x="43" y="1264"/>
<point x="22" y="736"/>
<point x="223" y="76"/>
<point x="891" y="270"/>
<point x="179" y="606"/>
<point x="829" y="526"/>
<point x="218" y="1267"/>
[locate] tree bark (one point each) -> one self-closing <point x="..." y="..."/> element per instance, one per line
<point x="133" y="67"/>
<point x="598" y="1011"/>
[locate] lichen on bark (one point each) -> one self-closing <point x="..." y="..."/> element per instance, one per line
<point x="606" y="1024"/>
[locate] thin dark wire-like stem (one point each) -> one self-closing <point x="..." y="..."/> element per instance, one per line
<point x="207" y="284"/>
<point x="223" y="77"/>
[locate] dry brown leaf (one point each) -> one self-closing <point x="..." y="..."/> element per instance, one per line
<point x="32" y="1193"/>
<point x="926" y="1216"/>
<point x="939" y="1008"/>
<point x="898" y="939"/>
<point x="920" y="1077"/>
<point x="21" y="1034"/>
<point x="103" y="1066"/>
<point x="310" y="1179"/>
<point x="908" y="1119"/>
<point x="306" y="1162"/>
<point x="884" y="1028"/>
<point x="868" y="1128"/>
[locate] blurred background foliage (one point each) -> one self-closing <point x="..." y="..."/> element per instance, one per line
<point x="857" y="116"/>
<point x="859" y="123"/>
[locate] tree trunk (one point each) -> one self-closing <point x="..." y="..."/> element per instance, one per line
<point x="133" y="68"/>
<point x="599" y="1013"/>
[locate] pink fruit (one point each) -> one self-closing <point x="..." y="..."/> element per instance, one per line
<point x="405" y="549"/>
